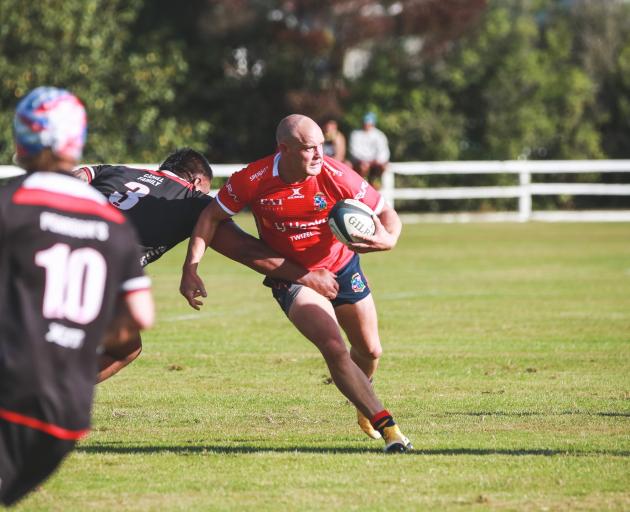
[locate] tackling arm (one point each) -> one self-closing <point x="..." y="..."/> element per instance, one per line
<point x="191" y="285"/>
<point x="236" y="244"/>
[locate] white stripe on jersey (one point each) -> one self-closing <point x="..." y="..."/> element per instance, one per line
<point x="276" y="159"/>
<point x="223" y="207"/>
<point x="63" y="184"/>
<point x="89" y="170"/>
<point x="379" y="207"/>
<point x="136" y="283"/>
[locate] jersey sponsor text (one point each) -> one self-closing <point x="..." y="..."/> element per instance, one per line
<point x="76" y="228"/>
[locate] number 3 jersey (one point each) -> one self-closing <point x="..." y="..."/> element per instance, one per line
<point x="161" y="206"/>
<point x="66" y="256"/>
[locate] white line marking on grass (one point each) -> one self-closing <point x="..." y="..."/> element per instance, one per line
<point x="192" y="316"/>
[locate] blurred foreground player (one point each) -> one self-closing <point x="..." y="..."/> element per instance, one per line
<point x="163" y="206"/>
<point x="290" y="194"/>
<point x="69" y="269"/>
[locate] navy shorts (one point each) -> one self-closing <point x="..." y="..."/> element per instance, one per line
<point x="353" y="286"/>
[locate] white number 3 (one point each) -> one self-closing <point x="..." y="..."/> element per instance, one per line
<point x="129" y="199"/>
<point x="75" y="281"/>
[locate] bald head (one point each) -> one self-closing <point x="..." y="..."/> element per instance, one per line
<point x="295" y="127"/>
<point x="300" y="142"/>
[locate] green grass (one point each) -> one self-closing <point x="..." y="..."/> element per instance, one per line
<point x="506" y="361"/>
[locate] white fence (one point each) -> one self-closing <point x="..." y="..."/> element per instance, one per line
<point x="523" y="191"/>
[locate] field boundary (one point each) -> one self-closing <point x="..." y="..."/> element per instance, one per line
<point x="524" y="191"/>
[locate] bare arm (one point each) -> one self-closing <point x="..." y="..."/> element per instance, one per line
<point x="388" y="228"/>
<point x="191" y="285"/>
<point x="236" y="244"/>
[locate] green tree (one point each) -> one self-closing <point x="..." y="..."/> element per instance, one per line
<point x="129" y="85"/>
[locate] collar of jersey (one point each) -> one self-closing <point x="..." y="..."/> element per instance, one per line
<point x="169" y="173"/>
<point x="275" y="172"/>
<point x="276" y="159"/>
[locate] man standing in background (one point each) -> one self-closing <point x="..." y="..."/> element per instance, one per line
<point x="369" y="151"/>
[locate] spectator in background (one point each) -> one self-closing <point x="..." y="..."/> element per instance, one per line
<point x="369" y="150"/>
<point x="334" y="141"/>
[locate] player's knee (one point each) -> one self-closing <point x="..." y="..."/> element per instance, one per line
<point x="374" y="352"/>
<point x="129" y="350"/>
<point x="134" y="346"/>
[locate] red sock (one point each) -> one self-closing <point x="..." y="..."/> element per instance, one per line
<point x="381" y="420"/>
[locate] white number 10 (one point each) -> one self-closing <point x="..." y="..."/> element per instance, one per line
<point x="75" y="281"/>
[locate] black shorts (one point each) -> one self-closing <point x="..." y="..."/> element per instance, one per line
<point x="353" y="286"/>
<point x="27" y="458"/>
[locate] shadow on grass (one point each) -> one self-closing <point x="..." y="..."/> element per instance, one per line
<point x="538" y="413"/>
<point x="329" y="450"/>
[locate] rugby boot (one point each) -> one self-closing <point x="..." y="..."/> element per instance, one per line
<point x="395" y="440"/>
<point x="366" y="426"/>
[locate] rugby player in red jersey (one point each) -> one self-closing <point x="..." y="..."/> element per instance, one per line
<point x="290" y="194"/>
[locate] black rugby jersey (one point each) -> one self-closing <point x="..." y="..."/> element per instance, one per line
<point x="65" y="257"/>
<point x="162" y="206"/>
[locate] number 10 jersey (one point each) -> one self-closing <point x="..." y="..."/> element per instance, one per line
<point x="66" y="256"/>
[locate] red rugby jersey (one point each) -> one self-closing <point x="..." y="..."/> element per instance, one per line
<point x="292" y="217"/>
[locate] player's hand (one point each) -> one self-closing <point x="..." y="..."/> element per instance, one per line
<point x="191" y="287"/>
<point x="322" y="281"/>
<point x="381" y="240"/>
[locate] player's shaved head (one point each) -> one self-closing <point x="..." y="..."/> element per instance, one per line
<point x="300" y="141"/>
<point x="294" y="127"/>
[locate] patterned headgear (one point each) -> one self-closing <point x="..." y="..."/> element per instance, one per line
<point x="49" y="117"/>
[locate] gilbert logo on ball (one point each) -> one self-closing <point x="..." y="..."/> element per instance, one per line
<point x="349" y="219"/>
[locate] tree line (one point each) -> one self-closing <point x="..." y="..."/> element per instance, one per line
<point x="449" y="79"/>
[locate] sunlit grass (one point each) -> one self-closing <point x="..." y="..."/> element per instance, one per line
<point x="506" y="363"/>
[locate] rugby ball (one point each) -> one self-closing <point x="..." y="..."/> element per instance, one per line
<point x="349" y="218"/>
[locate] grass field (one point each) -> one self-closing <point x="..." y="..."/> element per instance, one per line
<point x="507" y="362"/>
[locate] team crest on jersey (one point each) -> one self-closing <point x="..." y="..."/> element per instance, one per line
<point x="319" y="201"/>
<point x="357" y="283"/>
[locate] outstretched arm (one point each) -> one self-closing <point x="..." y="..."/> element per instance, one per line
<point x="191" y="285"/>
<point x="236" y="244"/>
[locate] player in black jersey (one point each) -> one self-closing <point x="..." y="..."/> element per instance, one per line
<point x="164" y="205"/>
<point x="68" y="267"/>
